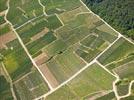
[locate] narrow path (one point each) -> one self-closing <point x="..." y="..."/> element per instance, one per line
<point x="21" y="42"/>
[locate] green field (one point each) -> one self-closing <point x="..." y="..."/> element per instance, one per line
<point x="107" y="29"/>
<point x="65" y="65"/>
<point x="101" y="96"/>
<point x="69" y="15"/>
<point x="25" y="11"/>
<point x="35" y="46"/>
<point x="128" y="98"/>
<point x="80" y="26"/>
<point x="56" y="47"/>
<point x="121" y="49"/>
<point x="93" y="79"/>
<point x="113" y="65"/>
<point x="29" y="30"/>
<point x="109" y="96"/>
<point x="64" y="93"/>
<point x="5" y="92"/>
<point x="3" y="5"/>
<point x="126" y="71"/>
<point x="90" y="47"/>
<point x="56" y="6"/>
<point x="4" y="29"/>
<point x="16" y="60"/>
<point x="122" y="89"/>
<point x="2" y="20"/>
<point x="31" y="86"/>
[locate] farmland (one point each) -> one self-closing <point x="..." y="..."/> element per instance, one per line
<point x="85" y="84"/>
<point x="31" y="86"/>
<point x="5" y="92"/>
<point x="66" y="64"/>
<point x="115" y="53"/>
<point x="61" y="50"/>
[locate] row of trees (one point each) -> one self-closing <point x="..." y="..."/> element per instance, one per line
<point x="118" y="13"/>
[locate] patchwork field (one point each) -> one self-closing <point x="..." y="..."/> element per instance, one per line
<point x="3" y="5"/>
<point x="30" y="86"/>
<point x="122" y="49"/>
<point x="5" y="92"/>
<point x="93" y="79"/>
<point x="62" y="37"/>
<point x="65" y="65"/>
<point x="25" y="10"/>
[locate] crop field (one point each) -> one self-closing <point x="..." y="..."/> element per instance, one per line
<point x="120" y="50"/>
<point x="27" y="31"/>
<point x="31" y="86"/>
<point x="64" y="93"/>
<point x="102" y="95"/>
<point x="2" y="20"/>
<point x="78" y="27"/>
<point x="94" y="79"/>
<point x="16" y="60"/>
<point x="4" y="29"/>
<point x="65" y="65"/>
<point x="62" y="38"/>
<point x="56" y="47"/>
<point x="126" y="71"/>
<point x="3" y="5"/>
<point x="128" y="98"/>
<point x="110" y="96"/>
<point x="113" y="65"/>
<point x="25" y="10"/>
<point x="5" y="92"/>
<point x="35" y="46"/>
<point x="56" y="6"/>
<point x="70" y="15"/>
<point x="122" y="89"/>
<point x="91" y="46"/>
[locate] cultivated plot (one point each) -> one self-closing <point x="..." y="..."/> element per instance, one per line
<point x="24" y="9"/>
<point x="31" y="86"/>
<point x="93" y="79"/>
<point x="5" y="92"/>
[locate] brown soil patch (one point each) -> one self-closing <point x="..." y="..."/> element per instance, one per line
<point x="49" y="76"/>
<point x="41" y="59"/>
<point x="6" y="38"/>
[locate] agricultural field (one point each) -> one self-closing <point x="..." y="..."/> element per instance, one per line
<point x="122" y="88"/>
<point x="25" y="10"/>
<point x="4" y="29"/>
<point x="65" y="65"/>
<point x="93" y="79"/>
<point x="16" y="65"/>
<point x="56" y="6"/>
<point x="61" y="50"/>
<point x="30" y="86"/>
<point x="3" y="5"/>
<point x="2" y="20"/>
<point x="110" y="96"/>
<point x="5" y="92"/>
<point x="118" y="54"/>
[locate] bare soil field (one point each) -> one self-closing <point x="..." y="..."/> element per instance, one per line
<point x="6" y="38"/>
<point x="46" y="72"/>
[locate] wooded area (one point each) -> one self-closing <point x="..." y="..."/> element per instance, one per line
<point x="118" y="13"/>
